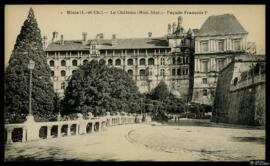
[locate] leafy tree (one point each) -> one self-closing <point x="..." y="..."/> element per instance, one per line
<point x="100" y="88"/>
<point x="28" y="46"/>
<point x="161" y="92"/>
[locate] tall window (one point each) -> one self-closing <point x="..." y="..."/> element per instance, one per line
<point x="142" y="61"/>
<point x="130" y="62"/>
<point x="179" y="60"/>
<point x="63" y="73"/>
<point x="117" y="62"/>
<point x="142" y="74"/>
<point x="173" y="61"/>
<point x="173" y="72"/>
<point x="205" y="66"/>
<point x="162" y="61"/>
<point x="130" y="72"/>
<point x="221" y="45"/>
<point x="162" y="72"/>
<point x="204" y="46"/>
<point x="110" y="62"/>
<point x="51" y="63"/>
<point x="236" y="45"/>
<point x="220" y="64"/>
<point x="63" y="84"/>
<point x="179" y="71"/>
<point x="151" y="61"/>
<point x="52" y="73"/>
<point x="63" y="63"/>
<point x="204" y="92"/>
<point x="85" y="61"/>
<point x="74" y="63"/>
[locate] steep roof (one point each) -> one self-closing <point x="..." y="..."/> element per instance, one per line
<point x="221" y="25"/>
<point x="129" y="43"/>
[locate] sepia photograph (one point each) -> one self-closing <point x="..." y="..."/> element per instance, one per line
<point x="151" y="83"/>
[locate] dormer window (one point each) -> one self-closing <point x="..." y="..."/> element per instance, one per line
<point x="204" y="46"/>
<point x="237" y="45"/>
<point x="220" y="45"/>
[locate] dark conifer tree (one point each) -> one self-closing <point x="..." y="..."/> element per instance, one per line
<point x="28" y="46"/>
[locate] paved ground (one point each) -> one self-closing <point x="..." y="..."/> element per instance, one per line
<point x="142" y="142"/>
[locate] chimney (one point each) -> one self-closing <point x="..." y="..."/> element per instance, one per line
<point x="169" y="28"/>
<point x="149" y="34"/>
<point x="84" y="37"/>
<point x="44" y="42"/>
<point x="54" y="36"/>
<point x="180" y="19"/>
<point x="101" y="36"/>
<point x="62" y="39"/>
<point x="114" y="40"/>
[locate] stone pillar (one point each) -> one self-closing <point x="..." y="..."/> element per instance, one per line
<point x="9" y="135"/>
<point x="100" y="125"/>
<point x="31" y="128"/>
<point x="93" y="127"/>
<point x="68" y="130"/>
<point x="49" y="132"/>
<point x="77" y="129"/>
<point x="24" y="135"/>
<point x="59" y="134"/>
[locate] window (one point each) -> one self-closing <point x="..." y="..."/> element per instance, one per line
<point x="204" y="92"/>
<point x="74" y="63"/>
<point x="52" y="73"/>
<point x="63" y="84"/>
<point x="179" y="71"/>
<point x="173" y="61"/>
<point x="63" y="63"/>
<point x="204" y="80"/>
<point x="220" y="64"/>
<point x="151" y="61"/>
<point x="205" y="66"/>
<point x="110" y="62"/>
<point x="130" y="72"/>
<point x="236" y="45"/>
<point x="85" y="61"/>
<point x="142" y="61"/>
<point x="117" y="62"/>
<point x="73" y="71"/>
<point x="235" y="81"/>
<point x="51" y="63"/>
<point x="130" y="62"/>
<point x="63" y="73"/>
<point x="162" y="61"/>
<point x="162" y="72"/>
<point x="173" y="72"/>
<point x="221" y="45"/>
<point x="142" y="72"/>
<point x="179" y="60"/>
<point x="204" y="46"/>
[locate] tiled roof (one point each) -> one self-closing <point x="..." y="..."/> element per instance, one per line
<point x="221" y="25"/>
<point x="131" y="43"/>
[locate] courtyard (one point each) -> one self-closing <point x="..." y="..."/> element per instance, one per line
<point x="148" y="142"/>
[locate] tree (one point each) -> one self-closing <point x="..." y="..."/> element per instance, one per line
<point x="28" y="46"/>
<point x="100" y="88"/>
<point x="161" y="92"/>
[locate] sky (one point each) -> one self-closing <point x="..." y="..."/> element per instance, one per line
<point x="126" y="21"/>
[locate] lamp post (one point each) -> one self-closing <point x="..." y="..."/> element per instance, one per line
<point x="31" y="66"/>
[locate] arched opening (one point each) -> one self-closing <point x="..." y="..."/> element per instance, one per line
<point x="74" y="62"/>
<point x="142" y="74"/>
<point x="63" y="73"/>
<point x="64" y="130"/>
<point x="43" y="132"/>
<point x="96" y="127"/>
<point x="85" y="61"/>
<point x="63" y="63"/>
<point x="73" y="71"/>
<point x="54" y="131"/>
<point x="130" y="62"/>
<point x="151" y="61"/>
<point x="89" y="128"/>
<point x="142" y="61"/>
<point x="235" y="81"/>
<point x="110" y="62"/>
<point x="52" y="73"/>
<point x="130" y="72"/>
<point x="51" y="63"/>
<point x="73" y="129"/>
<point x="117" y="62"/>
<point x="17" y="135"/>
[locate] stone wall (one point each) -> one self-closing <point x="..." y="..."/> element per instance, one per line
<point x="245" y="105"/>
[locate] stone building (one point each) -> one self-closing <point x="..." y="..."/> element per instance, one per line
<point x="147" y="60"/>
<point x="219" y="39"/>
<point x="240" y="94"/>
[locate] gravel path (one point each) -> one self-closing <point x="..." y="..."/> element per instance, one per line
<point x="142" y="142"/>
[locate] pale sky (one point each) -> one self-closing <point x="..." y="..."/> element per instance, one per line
<point x="55" y="18"/>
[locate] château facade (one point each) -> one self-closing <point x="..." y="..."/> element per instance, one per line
<point x="188" y="61"/>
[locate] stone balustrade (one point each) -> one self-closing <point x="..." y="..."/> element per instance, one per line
<point x="249" y="82"/>
<point x="31" y="130"/>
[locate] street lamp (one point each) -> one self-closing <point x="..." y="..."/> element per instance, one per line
<point x="31" y="66"/>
